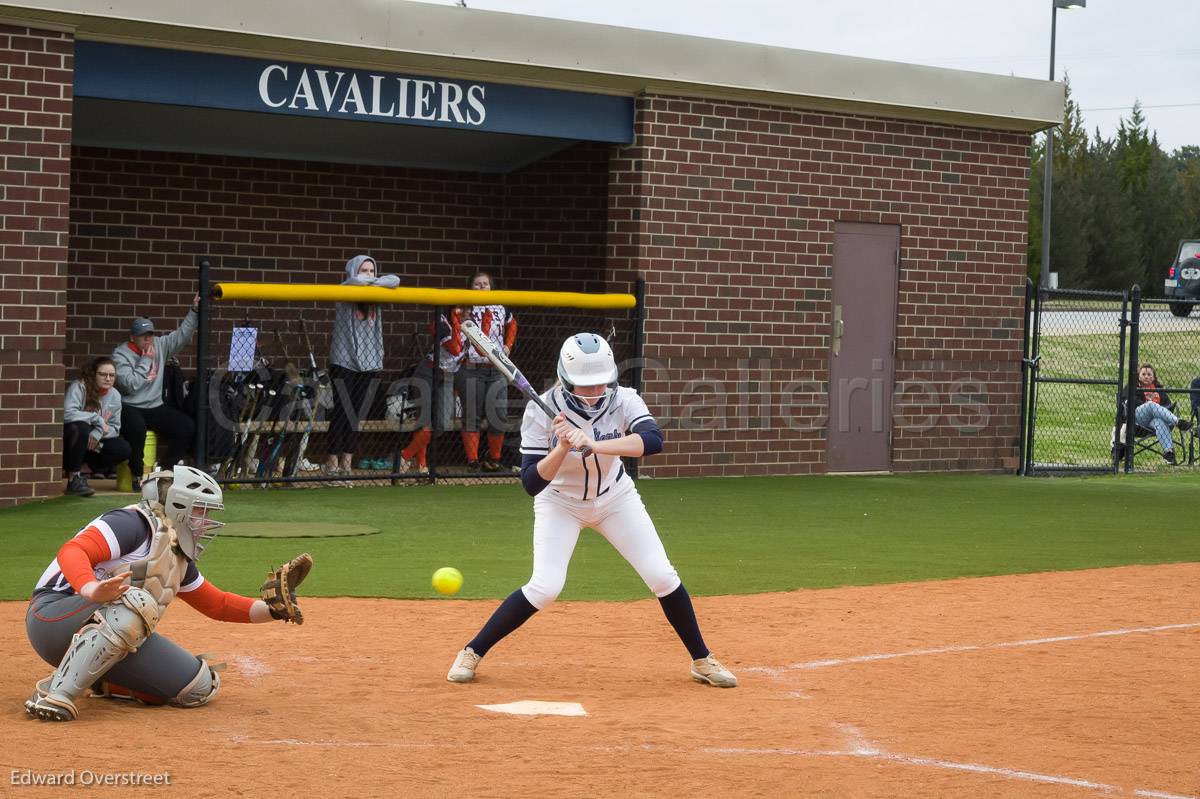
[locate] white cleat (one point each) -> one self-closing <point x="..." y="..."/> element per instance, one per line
<point x="50" y="707"/>
<point x="463" y="669"/>
<point x="709" y="670"/>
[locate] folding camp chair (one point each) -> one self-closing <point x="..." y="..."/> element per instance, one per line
<point x="1194" y="434"/>
<point x="1146" y="440"/>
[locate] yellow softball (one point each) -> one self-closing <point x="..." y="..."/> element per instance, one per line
<point x="447" y="580"/>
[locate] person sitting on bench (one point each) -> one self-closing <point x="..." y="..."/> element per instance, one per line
<point x="140" y="368"/>
<point x="92" y="425"/>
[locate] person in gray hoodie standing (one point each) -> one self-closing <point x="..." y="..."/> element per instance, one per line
<point x="355" y="362"/>
<point x="140" y="363"/>
<point x="92" y="425"/>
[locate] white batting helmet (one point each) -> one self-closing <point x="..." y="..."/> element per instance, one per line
<point x="586" y="360"/>
<point x="189" y="498"/>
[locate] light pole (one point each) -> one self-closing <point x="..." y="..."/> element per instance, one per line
<point x="1048" y="179"/>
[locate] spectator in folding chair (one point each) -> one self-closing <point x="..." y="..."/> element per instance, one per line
<point x="1153" y="413"/>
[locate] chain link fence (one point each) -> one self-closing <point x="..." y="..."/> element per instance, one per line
<point x="323" y="393"/>
<point x="1083" y="353"/>
<point x="1169" y="345"/>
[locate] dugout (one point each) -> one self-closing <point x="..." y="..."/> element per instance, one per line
<point x="832" y="247"/>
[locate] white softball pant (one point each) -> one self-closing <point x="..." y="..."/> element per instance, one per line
<point x="622" y="520"/>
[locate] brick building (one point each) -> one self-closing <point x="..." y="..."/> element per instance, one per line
<point x="833" y="247"/>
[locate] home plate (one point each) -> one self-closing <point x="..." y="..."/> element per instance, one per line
<point x="529" y="707"/>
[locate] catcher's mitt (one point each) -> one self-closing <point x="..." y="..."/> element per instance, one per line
<point x="279" y="590"/>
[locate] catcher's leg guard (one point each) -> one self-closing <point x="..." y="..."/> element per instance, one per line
<point x="118" y="628"/>
<point x="201" y="689"/>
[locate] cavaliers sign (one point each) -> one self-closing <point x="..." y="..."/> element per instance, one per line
<point x="208" y="80"/>
<point x="328" y="90"/>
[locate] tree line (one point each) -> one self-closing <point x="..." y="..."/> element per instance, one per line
<point x="1119" y="207"/>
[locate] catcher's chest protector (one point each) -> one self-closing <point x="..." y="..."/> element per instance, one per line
<point x="161" y="571"/>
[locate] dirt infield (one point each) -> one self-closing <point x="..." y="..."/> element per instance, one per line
<point x="1051" y="685"/>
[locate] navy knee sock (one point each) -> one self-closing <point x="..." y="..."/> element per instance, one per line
<point x="512" y="613"/>
<point x="678" y="607"/>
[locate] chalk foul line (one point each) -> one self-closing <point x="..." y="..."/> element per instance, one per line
<point x="859" y="747"/>
<point x="941" y="650"/>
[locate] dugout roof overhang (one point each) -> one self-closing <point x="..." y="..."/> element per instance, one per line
<point x="522" y="54"/>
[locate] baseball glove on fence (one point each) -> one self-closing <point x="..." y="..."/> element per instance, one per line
<point x="279" y="590"/>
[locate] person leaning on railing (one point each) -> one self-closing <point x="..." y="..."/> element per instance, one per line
<point x="92" y="425"/>
<point x="1152" y="410"/>
<point x="140" y="368"/>
<point x="355" y="362"/>
<point x="479" y="383"/>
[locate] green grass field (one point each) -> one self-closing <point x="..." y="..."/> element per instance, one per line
<point x="1075" y="422"/>
<point x="726" y="536"/>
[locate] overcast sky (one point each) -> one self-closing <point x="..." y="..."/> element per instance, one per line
<point x="1116" y="51"/>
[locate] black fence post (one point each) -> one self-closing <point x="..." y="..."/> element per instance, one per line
<point x="1025" y="344"/>
<point x="1135" y="294"/>
<point x="1118" y="443"/>
<point x="435" y="387"/>
<point x="201" y="387"/>
<point x="638" y="318"/>
<point x="1035" y="356"/>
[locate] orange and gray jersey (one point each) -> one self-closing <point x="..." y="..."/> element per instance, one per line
<point x="498" y="324"/>
<point x="119" y="537"/>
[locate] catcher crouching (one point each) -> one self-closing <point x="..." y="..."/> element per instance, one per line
<point x="94" y="610"/>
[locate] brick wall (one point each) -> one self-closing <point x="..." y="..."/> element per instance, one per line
<point x="140" y="221"/>
<point x="35" y="133"/>
<point x="728" y="209"/>
<point x="554" y="217"/>
<point x="554" y="222"/>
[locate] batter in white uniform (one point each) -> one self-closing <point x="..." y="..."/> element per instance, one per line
<point x="573" y="490"/>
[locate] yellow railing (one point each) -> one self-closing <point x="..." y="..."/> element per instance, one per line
<point x="315" y="292"/>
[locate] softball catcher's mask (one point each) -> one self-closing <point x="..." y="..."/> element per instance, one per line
<point x="189" y="497"/>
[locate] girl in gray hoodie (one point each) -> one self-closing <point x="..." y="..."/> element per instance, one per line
<point x="355" y="362"/>
<point x="92" y="425"/>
